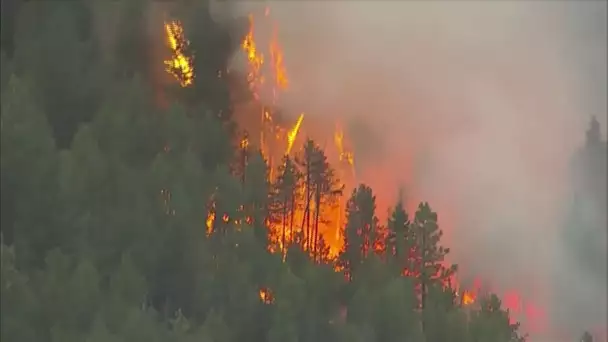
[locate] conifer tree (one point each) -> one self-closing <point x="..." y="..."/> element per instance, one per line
<point x="491" y="322"/>
<point x="326" y="192"/>
<point x="430" y="254"/>
<point x="400" y="240"/>
<point x="286" y="199"/>
<point x="359" y="232"/>
<point x="257" y="204"/>
<point x="308" y="164"/>
<point x="321" y="188"/>
<point x="29" y="174"/>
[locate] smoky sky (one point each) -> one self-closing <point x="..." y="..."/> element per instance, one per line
<point x="476" y="107"/>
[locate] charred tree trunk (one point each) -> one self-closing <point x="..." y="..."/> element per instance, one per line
<point x="316" y="223"/>
<point x="284" y="225"/>
<point x="306" y="219"/>
<point x="292" y="216"/>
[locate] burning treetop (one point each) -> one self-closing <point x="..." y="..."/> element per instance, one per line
<point x="180" y="65"/>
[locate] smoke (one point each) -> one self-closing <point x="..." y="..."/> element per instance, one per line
<point x="476" y="107"/>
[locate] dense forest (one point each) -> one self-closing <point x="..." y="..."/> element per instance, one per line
<point x="126" y="217"/>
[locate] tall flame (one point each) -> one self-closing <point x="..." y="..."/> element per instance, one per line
<point x="276" y="57"/>
<point x="255" y="59"/>
<point x="293" y="133"/>
<point x="344" y="155"/>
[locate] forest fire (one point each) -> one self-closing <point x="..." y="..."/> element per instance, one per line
<point x="277" y="142"/>
<point x="207" y="171"/>
<point x="271" y="135"/>
<point x="327" y="235"/>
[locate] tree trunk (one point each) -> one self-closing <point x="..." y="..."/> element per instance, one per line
<point x="306" y="218"/>
<point x="284" y="225"/>
<point x="317" y="217"/>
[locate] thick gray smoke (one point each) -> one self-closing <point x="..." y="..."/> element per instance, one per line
<point x="476" y="107"/>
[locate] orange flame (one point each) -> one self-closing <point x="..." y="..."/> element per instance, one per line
<point x="276" y="57"/>
<point x="468" y="298"/>
<point x="254" y="59"/>
<point x="265" y="296"/>
<point x="209" y="221"/>
<point x="293" y="133"/>
<point x="343" y="154"/>
<point x="244" y="143"/>
<point x="180" y="65"/>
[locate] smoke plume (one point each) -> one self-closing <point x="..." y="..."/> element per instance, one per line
<point x="476" y="107"/>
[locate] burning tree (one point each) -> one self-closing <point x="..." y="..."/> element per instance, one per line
<point x="179" y="65"/>
<point x="287" y="200"/>
<point x="320" y="189"/>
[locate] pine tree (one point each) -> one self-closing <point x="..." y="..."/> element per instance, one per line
<point x="286" y="199"/>
<point x="257" y="205"/>
<point x="326" y="192"/>
<point x="360" y="230"/>
<point x="132" y="42"/>
<point x="400" y="240"/>
<point x="430" y="254"/>
<point x="29" y="175"/>
<point x="211" y="47"/>
<point x="585" y="223"/>
<point x="308" y="162"/>
<point x="51" y="48"/>
<point x="491" y="322"/>
<point x="321" y="188"/>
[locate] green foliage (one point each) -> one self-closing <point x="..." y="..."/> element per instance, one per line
<point x="211" y="86"/>
<point x="429" y="256"/>
<point x="492" y="323"/>
<point x="52" y="52"/>
<point x="19" y="304"/>
<point x="130" y="47"/>
<point x="400" y="241"/>
<point x="256" y="190"/>
<point x="29" y="171"/>
<point x="360" y="232"/>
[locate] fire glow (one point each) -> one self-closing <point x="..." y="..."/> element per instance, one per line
<point x="342" y="158"/>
